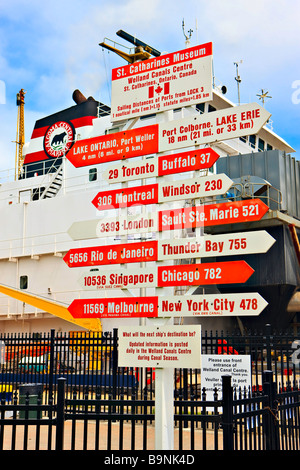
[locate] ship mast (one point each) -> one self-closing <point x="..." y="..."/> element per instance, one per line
<point x="20" y="133"/>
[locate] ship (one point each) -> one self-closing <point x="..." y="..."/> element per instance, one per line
<point x="43" y="202"/>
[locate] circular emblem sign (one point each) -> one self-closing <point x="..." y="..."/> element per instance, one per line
<point x="59" y="138"/>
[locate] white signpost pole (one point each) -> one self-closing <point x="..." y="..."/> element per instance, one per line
<point x="174" y="134"/>
<point x="164" y="377"/>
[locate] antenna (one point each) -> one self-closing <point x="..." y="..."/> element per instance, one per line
<point x="187" y="38"/>
<point x="263" y="95"/>
<point x="238" y="79"/>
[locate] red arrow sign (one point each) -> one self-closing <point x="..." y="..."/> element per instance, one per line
<point x="111" y="147"/>
<point x="228" y="272"/>
<point x="212" y="214"/>
<point x="115" y="307"/>
<point x="127" y="197"/>
<point x="112" y="254"/>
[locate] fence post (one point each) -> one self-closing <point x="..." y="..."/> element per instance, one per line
<point x="268" y="332"/>
<point x="227" y="421"/>
<point x="114" y="362"/>
<point x="51" y="362"/>
<point x="60" y="414"/>
<point x="271" y="428"/>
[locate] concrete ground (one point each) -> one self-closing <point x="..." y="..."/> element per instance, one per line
<point x="115" y="433"/>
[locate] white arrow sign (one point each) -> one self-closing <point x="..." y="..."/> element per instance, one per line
<point x="112" y="226"/>
<point x="248" y="303"/>
<point x="242" y="243"/>
<point x="226" y="124"/>
<point x="118" y="278"/>
<point x="212" y="185"/>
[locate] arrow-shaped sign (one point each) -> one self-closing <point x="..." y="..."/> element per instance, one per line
<point x="162" y="276"/>
<point x="228" y="244"/>
<point x="199" y="216"/>
<point x="248" y="210"/>
<point x="243" y="304"/>
<point x="212" y="185"/>
<point x="243" y="243"/>
<point x="116" y="146"/>
<point x="228" y="272"/>
<point x="110" y="226"/>
<point x="201" y="129"/>
<point x="228" y="123"/>
<point x="162" y="165"/>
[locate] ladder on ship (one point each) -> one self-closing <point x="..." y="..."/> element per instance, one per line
<point x="54" y="185"/>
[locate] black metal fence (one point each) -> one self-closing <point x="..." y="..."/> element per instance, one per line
<point x="89" y="361"/>
<point x="67" y="391"/>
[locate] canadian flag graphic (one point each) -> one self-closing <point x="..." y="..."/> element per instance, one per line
<point x="158" y="89"/>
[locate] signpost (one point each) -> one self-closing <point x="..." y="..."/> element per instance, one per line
<point x="163" y="83"/>
<point x="170" y="81"/>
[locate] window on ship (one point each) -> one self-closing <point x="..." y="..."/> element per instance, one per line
<point x="23" y="282"/>
<point x="252" y="140"/>
<point x="93" y="174"/>
<point x="261" y="145"/>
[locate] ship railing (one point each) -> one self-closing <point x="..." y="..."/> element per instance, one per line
<point x="252" y="190"/>
<point x="271" y="196"/>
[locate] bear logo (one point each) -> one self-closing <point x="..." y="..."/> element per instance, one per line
<point x="58" y="139"/>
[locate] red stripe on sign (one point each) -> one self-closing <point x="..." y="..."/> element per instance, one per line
<point x="167" y="88"/>
<point x="151" y="91"/>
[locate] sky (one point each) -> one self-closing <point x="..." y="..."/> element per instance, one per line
<point x="52" y="48"/>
